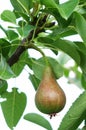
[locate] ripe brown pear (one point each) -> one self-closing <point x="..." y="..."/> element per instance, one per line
<point x="50" y="98"/>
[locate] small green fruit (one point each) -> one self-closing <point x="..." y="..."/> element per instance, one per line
<point x="50" y="98"/>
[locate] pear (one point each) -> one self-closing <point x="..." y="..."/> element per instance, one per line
<point x="50" y="98"/>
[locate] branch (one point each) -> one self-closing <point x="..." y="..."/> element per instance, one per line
<point x="40" y="23"/>
<point x="22" y="47"/>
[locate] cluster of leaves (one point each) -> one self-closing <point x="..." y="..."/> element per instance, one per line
<point x="42" y="24"/>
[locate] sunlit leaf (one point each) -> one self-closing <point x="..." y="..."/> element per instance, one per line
<point x="67" y="8"/>
<point x="75" y="115"/>
<point x="8" y="16"/>
<point x="69" y="48"/>
<point x="48" y="40"/>
<point x="60" y="32"/>
<point x="81" y="26"/>
<point x="38" y="119"/>
<point x="16" y="5"/>
<point x="13" y="107"/>
<point x="49" y="3"/>
<point x="24" y="4"/>
<point x="21" y="5"/>
<point x="5" y="70"/>
<point x="64" y="45"/>
<point x="11" y="34"/>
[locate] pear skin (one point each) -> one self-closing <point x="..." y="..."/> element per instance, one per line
<point x="49" y="98"/>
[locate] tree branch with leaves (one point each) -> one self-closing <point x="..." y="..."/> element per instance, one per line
<point x="37" y="25"/>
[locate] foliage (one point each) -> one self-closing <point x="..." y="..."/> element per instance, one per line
<point x="38" y="119"/>
<point x="37" y="25"/>
<point x="12" y="108"/>
<point x="75" y="115"/>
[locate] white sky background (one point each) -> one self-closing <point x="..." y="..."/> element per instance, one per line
<point x="25" y="85"/>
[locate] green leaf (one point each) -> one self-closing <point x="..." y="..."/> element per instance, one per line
<point x="3" y="86"/>
<point x="46" y="40"/>
<point x="69" y="48"/>
<point x="75" y="115"/>
<point x="58" y="32"/>
<point x="81" y="47"/>
<point x="30" y="3"/>
<point x="12" y="35"/>
<point x="64" y="45"/>
<point x="38" y="119"/>
<point x="21" y="5"/>
<point x="27" y="29"/>
<point x="29" y="62"/>
<point x="39" y="65"/>
<point x="16" y="5"/>
<point x="14" y="44"/>
<point x="4" y="47"/>
<point x="83" y="81"/>
<point x="82" y="52"/>
<point x="34" y="81"/>
<point x="57" y="1"/>
<point x="49" y="3"/>
<point x="8" y="16"/>
<point x="62" y="32"/>
<point x="18" y="67"/>
<point x="63" y="58"/>
<point x="22" y="23"/>
<point x="84" y="128"/>
<point x="83" y="63"/>
<point x="24" y="4"/>
<point x="5" y="70"/>
<point x="13" y="107"/>
<point x="67" y="8"/>
<point x="3" y="29"/>
<point x="23" y="15"/>
<point x="81" y="26"/>
<point x="24" y="31"/>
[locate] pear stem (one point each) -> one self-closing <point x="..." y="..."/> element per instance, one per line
<point x="38" y="49"/>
